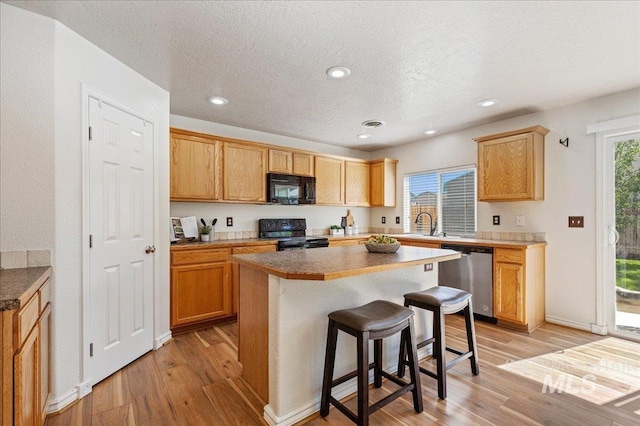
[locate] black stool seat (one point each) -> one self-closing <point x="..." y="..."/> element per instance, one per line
<point x="376" y="316"/>
<point x="442" y="300"/>
<point x="373" y="321"/>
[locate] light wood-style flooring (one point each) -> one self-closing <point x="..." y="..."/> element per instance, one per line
<point x="195" y="380"/>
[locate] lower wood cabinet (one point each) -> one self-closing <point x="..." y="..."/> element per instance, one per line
<point x="204" y="285"/>
<point x="26" y="337"/>
<point x="346" y="242"/>
<point x="518" y="287"/>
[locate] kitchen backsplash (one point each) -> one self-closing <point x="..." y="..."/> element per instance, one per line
<point x="24" y="259"/>
<point x="512" y="236"/>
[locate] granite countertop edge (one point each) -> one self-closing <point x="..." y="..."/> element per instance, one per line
<point x="17" y="286"/>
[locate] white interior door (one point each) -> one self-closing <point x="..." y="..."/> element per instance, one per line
<point x="121" y="229"/>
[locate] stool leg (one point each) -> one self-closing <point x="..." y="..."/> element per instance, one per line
<point x="377" y="361"/>
<point x="363" y="379"/>
<point x="402" y="356"/>
<point x="408" y="340"/>
<point x="329" y="361"/>
<point x="439" y="349"/>
<point x="471" y="338"/>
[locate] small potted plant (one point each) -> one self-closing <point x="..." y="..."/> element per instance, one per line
<point x="336" y="230"/>
<point x="205" y="232"/>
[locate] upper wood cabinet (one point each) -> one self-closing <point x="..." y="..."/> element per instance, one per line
<point x="244" y="172"/>
<point x="356" y="183"/>
<point x="329" y="180"/>
<point x="280" y="161"/>
<point x="511" y="165"/>
<point x="195" y="172"/>
<point x="303" y="164"/>
<point x="383" y="183"/>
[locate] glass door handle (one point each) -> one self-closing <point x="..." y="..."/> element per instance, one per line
<point x="616" y="236"/>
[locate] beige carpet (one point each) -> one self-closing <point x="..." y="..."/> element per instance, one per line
<point x="602" y="372"/>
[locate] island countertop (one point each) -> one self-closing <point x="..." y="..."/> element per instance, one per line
<point x="323" y="264"/>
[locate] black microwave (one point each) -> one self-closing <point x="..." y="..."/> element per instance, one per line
<point x="290" y="189"/>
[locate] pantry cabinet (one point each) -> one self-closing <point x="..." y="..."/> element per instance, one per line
<point x="383" y="183"/>
<point x="356" y="183"/>
<point x="511" y="165"/>
<point x="518" y="287"/>
<point x="329" y="181"/>
<point x="244" y="172"/>
<point x="195" y="168"/>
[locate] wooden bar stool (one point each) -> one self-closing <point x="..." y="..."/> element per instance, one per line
<point x="442" y="301"/>
<point x="373" y="321"/>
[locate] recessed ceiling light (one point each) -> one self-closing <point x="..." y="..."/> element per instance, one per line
<point x="217" y="100"/>
<point x="338" y="72"/>
<point x="487" y="102"/>
<point x="364" y="135"/>
<point x="430" y="132"/>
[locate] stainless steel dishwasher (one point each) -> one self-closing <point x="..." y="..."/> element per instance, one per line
<point x="473" y="272"/>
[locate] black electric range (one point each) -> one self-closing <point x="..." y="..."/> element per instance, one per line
<point x="290" y="233"/>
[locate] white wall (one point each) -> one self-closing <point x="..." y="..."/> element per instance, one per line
<point x="72" y="61"/>
<point x="26" y="131"/>
<point x="245" y="216"/>
<point x="569" y="191"/>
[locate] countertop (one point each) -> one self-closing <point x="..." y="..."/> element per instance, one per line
<point x="18" y="285"/>
<point x="323" y="264"/>
<point x="403" y="237"/>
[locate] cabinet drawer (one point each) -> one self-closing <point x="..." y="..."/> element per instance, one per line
<point x="45" y="294"/>
<point x="199" y="256"/>
<point x="509" y="255"/>
<point x="254" y="249"/>
<point x="27" y="317"/>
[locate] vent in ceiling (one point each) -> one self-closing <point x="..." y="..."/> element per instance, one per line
<point x="373" y="123"/>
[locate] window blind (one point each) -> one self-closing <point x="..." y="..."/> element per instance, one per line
<point x="443" y="200"/>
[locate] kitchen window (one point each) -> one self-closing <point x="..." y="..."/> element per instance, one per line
<point x="440" y="201"/>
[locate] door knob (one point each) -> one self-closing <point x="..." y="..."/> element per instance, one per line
<point x="150" y="249"/>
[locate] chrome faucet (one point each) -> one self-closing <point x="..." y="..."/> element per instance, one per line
<point x="432" y="229"/>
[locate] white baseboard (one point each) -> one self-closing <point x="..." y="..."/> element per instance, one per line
<point x="599" y="329"/>
<point x="80" y="391"/>
<point x="159" y="341"/>
<point x="568" y="323"/>
<point x="58" y="404"/>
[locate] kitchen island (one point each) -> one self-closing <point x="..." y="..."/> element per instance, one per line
<point x="284" y="299"/>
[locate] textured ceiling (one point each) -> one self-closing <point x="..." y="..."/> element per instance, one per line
<point x="414" y="65"/>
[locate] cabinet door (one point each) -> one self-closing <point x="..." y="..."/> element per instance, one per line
<point x="508" y="297"/>
<point x="303" y="164"/>
<point x="329" y="181"/>
<point x="343" y="243"/>
<point x="45" y="358"/>
<point x="27" y="381"/>
<point x="280" y="161"/>
<point x="245" y="168"/>
<point x="194" y="168"/>
<point x="383" y="183"/>
<point x="200" y="292"/>
<point x="356" y="179"/>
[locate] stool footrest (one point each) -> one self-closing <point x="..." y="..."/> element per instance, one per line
<point x="343" y="409"/>
<point x="348" y="376"/>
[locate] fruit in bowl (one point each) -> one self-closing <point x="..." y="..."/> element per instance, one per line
<point x="382" y="244"/>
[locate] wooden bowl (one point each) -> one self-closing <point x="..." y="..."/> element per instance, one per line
<point x="382" y="248"/>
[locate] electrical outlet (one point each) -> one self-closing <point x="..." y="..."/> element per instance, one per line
<point x="397" y="220"/>
<point x="384" y="219"/>
<point x="576" y="221"/>
<point x="519" y="220"/>
<point x="229" y="221"/>
<point x="428" y="267"/>
<point x="496" y="220"/>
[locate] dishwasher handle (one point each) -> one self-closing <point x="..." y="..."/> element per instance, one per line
<point x="467" y="249"/>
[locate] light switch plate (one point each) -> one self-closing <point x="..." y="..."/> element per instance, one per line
<point x="384" y="219"/>
<point x="519" y="220"/>
<point x="229" y="221"/>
